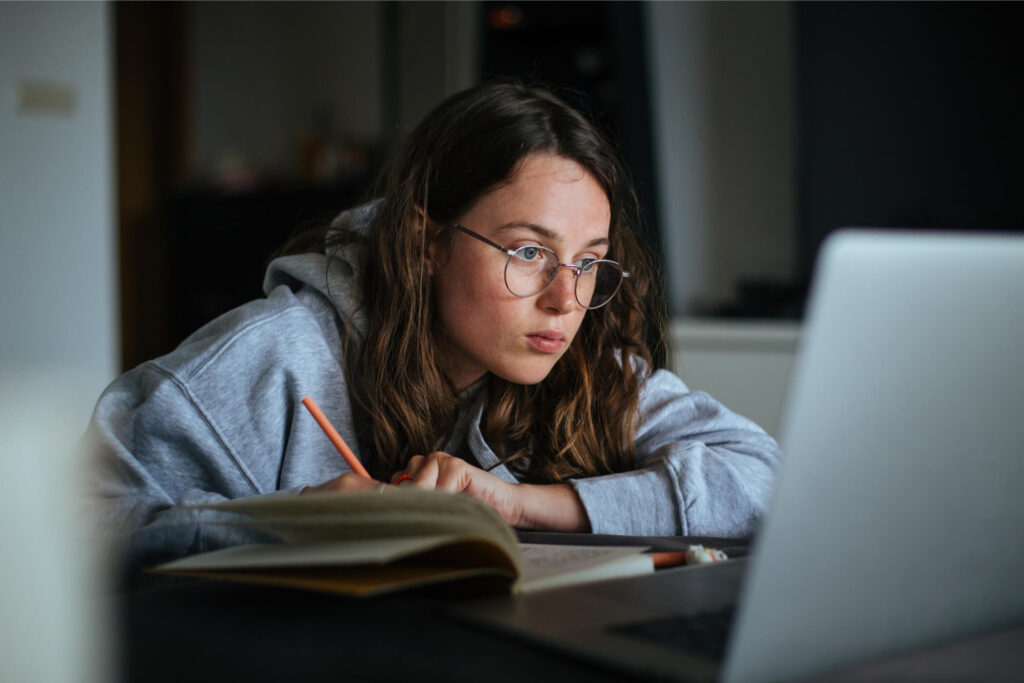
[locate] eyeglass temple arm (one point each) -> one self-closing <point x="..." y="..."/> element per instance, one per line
<point x="483" y="239"/>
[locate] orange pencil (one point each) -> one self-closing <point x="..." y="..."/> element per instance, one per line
<point x="335" y="437"/>
<point x="675" y="558"/>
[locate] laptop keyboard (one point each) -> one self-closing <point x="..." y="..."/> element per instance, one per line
<point x="701" y="634"/>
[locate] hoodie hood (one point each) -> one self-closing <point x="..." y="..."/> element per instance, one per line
<point x="337" y="277"/>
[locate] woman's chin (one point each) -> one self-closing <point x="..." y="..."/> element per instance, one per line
<point x="526" y="376"/>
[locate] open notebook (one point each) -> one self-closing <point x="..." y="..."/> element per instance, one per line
<point x="367" y="543"/>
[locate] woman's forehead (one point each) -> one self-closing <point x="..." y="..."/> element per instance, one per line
<point x="551" y="196"/>
<point x="546" y="234"/>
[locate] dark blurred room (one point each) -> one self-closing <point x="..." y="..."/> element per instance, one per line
<point x="209" y="133"/>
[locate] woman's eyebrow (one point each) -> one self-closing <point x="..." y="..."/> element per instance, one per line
<point x="548" y="234"/>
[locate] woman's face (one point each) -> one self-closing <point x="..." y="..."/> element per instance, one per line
<point x="551" y="201"/>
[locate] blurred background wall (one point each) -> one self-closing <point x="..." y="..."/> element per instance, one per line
<point x="59" y="303"/>
<point x="723" y="108"/>
<point x="272" y="116"/>
<point x="154" y="155"/>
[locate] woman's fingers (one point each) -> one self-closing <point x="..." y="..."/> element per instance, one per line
<point x="406" y="476"/>
<point x="425" y="470"/>
<point x="445" y="472"/>
<point x="442" y="471"/>
<point x="422" y="471"/>
<point x="453" y="474"/>
<point x="438" y="471"/>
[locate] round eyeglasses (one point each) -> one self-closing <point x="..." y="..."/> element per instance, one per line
<point x="530" y="269"/>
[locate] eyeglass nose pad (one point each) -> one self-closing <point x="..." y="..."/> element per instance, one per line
<point x="571" y="268"/>
<point x="553" y="276"/>
<point x="575" y="270"/>
<point x="552" y="273"/>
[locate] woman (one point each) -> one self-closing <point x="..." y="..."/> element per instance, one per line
<point x="480" y="328"/>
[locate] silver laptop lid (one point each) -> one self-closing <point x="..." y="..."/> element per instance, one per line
<point x="898" y="520"/>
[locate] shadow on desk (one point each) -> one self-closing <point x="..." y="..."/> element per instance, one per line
<point x="202" y="630"/>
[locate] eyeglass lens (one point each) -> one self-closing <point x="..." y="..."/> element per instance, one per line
<point x="531" y="269"/>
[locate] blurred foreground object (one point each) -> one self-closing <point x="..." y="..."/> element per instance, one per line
<point x="51" y="623"/>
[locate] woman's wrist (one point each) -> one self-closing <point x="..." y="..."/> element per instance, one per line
<point x="550" y="507"/>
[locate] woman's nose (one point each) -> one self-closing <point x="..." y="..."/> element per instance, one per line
<point x="560" y="295"/>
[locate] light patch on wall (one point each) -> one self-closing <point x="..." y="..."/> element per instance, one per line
<point x="44" y="97"/>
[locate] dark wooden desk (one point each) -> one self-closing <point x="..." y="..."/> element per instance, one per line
<point x="195" y="630"/>
<point x="198" y="630"/>
<point x="210" y="631"/>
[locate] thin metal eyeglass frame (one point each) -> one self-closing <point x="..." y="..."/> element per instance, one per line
<point x="576" y="270"/>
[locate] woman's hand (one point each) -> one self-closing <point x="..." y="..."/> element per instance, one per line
<point x="551" y="507"/>
<point x="554" y="507"/>
<point x="448" y="473"/>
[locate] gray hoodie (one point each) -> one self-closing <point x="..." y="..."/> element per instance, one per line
<point x="220" y="417"/>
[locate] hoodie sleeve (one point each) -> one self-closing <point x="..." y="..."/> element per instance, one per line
<point x="703" y="470"/>
<point x="156" y="452"/>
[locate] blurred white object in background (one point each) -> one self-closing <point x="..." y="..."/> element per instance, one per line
<point x="52" y="624"/>
<point x="744" y="364"/>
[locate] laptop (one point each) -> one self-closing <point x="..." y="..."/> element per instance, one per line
<point x="898" y="516"/>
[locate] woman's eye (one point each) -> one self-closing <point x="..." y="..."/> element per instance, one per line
<point x="529" y="253"/>
<point x="584" y="262"/>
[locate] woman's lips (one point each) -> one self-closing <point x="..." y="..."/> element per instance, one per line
<point x="547" y="342"/>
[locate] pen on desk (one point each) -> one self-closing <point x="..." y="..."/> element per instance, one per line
<point x="695" y="554"/>
<point x="335" y="437"/>
<point x="663" y="560"/>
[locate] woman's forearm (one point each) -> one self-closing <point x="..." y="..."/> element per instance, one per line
<point x="551" y="507"/>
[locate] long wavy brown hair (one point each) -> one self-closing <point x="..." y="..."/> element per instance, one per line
<point x="580" y="420"/>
